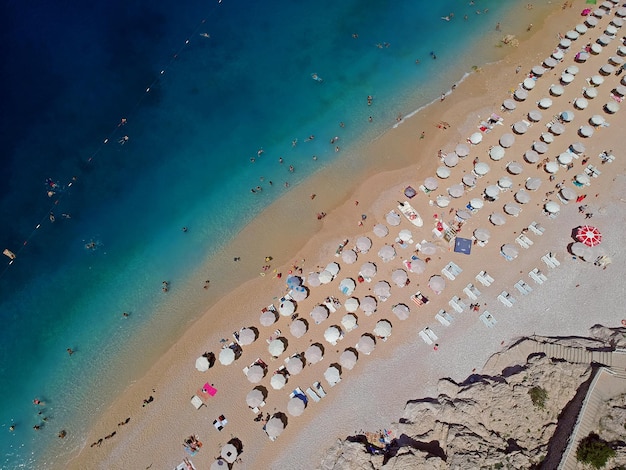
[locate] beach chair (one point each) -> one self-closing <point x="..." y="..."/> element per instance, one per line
<point x="488" y="319"/>
<point x="519" y="285"/>
<point x="536" y="228"/>
<point x="425" y="337"/>
<point x="522" y="243"/>
<point x="480" y="277"/>
<point x="313" y="395"/>
<point x="505" y="299"/>
<point x="319" y="389"/>
<point x="555" y="261"/>
<point x="471" y="291"/>
<point x="330" y="305"/>
<point x="526" y="240"/>
<point x="444" y="317"/>
<point x="534" y="275"/>
<point x="457" y="304"/>
<point x="526" y="287"/>
<point x="448" y="274"/>
<point x="548" y="261"/>
<point x="197" y="402"/>
<point x="431" y="334"/>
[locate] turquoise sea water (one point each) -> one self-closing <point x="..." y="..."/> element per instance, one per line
<point x="72" y="73"/>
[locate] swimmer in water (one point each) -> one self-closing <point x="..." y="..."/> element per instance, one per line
<point x="205" y="35"/>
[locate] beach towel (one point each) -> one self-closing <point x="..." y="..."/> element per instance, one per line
<point x="207" y="388"/>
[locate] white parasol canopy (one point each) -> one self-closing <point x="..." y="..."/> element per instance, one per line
<point x="528" y="83"/>
<point x="274" y="427"/>
<point x="443" y="172"/>
<point x="276" y="347"/>
<point x="417" y="266"/>
<point x="314" y="354"/>
<point x="366" y="344"/>
<point x="509" y="251"/>
<point x="532" y="184"/>
<point x="313" y="280"/>
<point x="505" y="182"/>
<point x="278" y="381"/>
<point x="381" y="230"/>
<point x="255" y="397"/>
<point x="226" y="356"/>
<point x="567" y="115"/>
<point x="568" y="193"/>
<point x="349" y="322"/>
<point x="332" y="375"/>
<point x="255" y="373"/>
<point x="522" y="197"/>
<point x="514" y="168"/>
<point x="351" y="304"/>
<point x="268" y="318"/>
<point x="401" y="311"/>
<point x="482" y="234"/>
<point x="611" y="107"/>
<point x="557" y="90"/>
<point x="481" y="168"/>
<point x="368" y="305"/>
<point x="319" y="314"/>
<point x="332" y="334"/>
<point x="451" y="160"/>
<point x="399" y="277"/>
<point x="298" y="328"/>
<point x="437" y="283"/>
<point x="347" y="286"/>
<point x="382" y="329"/>
<point x="551" y="167"/>
<point x="520" y="127"/>
<point x="202" y="364"/>
<point x="492" y="191"/>
<point x="431" y="183"/>
<point x="325" y="276"/>
<point x="577" y="147"/>
<point x="581" y="103"/>
<point x="497" y="218"/>
<point x="565" y="43"/>
<point x="393" y="218"/>
<point x="552" y="207"/>
<point x="368" y="269"/>
<point x="512" y="208"/>
<point x="333" y="268"/>
<point x="350" y="256"/>
<point x="476" y="138"/>
<point x="462" y="150"/>
<point x="496" y="152"/>
<point x="572" y="70"/>
<point x="540" y="147"/>
<point x="550" y="62"/>
<point x="616" y="60"/>
<point x="469" y="180"/>
<point x="531" y="156"/>
<point x="557" y="54"/>
<point x="295" y="365"/>
<point x="295" y="406"/>
<point x="597" y="80"/>
<point x="348" y="359"/>
<point x="363" y="244"/>
<point x="565" y="158"/>
<point x="387" y="253"/>
<point x="286" y="308"/>
<point x="535" y="115"/>
<point x="607" y="69"/>
<point x="591" y="21"/>
<point x="590" y="93"/>
<point x="509" y="104"/>
<point x="456" y="190"/>
<point x="382" y="289"/>
<point x="405" y="235"/>
<point x="544" y="103"/>
<point x="538" y="70"/>
<point x="585" y="131"/>
<point x="547" y="137"/>
<point x="247" y="336"/>
<point x="572" y="34"/>
<point x="557" y="128"/>
<point x="581" y="28"/>
<point x="506" y="140"/>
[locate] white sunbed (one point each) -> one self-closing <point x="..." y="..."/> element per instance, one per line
<point x="197" y="402"/>
<point x="536" y="228"/>
<point x="425" y="337"/>
<point x="523" y="288"/>
<point x="592" y="171"/>
<point x="549" y="261"/>
<point x="451" y="271"/>
<point x="555" y="261"/>
<point x="431" y="334"/>
<point x="526" y="240"/>
<point x="521" y="242"/>
<point x="457" y="304"/>
<point x="506" y="299"/>
<point x="471" y="291"/>
<point x="444" y="317"/>
<point x="488" y="319"/>
<point x="319" y="389"/>
<point x="537" y="276"/>
<point x="312" y="394"/>
<point x="480" y="277"/>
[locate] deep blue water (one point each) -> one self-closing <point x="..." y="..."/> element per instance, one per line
<point x="70" y="74"/>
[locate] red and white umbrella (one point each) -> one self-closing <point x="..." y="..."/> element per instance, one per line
<point x="589" y="235"/>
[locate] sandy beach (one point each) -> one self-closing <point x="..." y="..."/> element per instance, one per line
<point x="372" y="394"/>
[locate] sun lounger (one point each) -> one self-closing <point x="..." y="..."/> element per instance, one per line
<point x="481" y="278"/>
<point x="550" y="260"/>
<point x="592" y="171"/>
<point x="457" y="304"/>
<point x="313" y="395"/>
<point x="488" y="319"/>
<point x="425" y="337"/>
<point x="319" y="389"/>
<point x="451" y="271"/>
<point x="197" y="402"/>
<point x="419" y="299"/>
<point x="186" y="464"/>
<point x="555" y="261"/>
<point x="444" y="317"/>
<point x="536" y="228"/>
<point x="521" y="242"/>
<point x="431" y="334"/>
<point x="506" y="299"/>
<point x="535" y="277"/>
<point x="523" y="288"/>
<point x="526" y="240"/>
<point x="330" y="304"/>
<point x="471" y="291"/>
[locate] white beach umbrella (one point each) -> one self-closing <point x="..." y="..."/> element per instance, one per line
<point x="368" y="305"/>
<point x="557" y="128"/>
<point x="476" y="138"/>
<point x="442" y="201"/>
<point x="463" y="215"/>
<point x="276" y="347"/>
<point x="565" y="158"/>
<point x="314" y="353"/>
<point x="255" y="397"/>
<point x="509" y="251"/>
<point x="616" y="60"/>
<point x="351" y="304"/>
<point x="349" y="321"/>
<point x="482" y="234"/>
<point x="620" y="90"/>
<point x="382" y="289"/>
<point x="591" y="21"/>
<point x="572" y="70"/>
<point x="567" y="115"/>
<point x="621" y="50"/>
<point x="387" y="253"/>
<point x="286" y="308"/>
<point x="568" y="193"/>
<point x="585" y="131"/>
<point x="557" y="90"/>
<point x="247" y="336"/>
<point x="509" y="104"/>
<point x="590" y="93"/>
<point x="492" y="191"/>
<point x="505" y="182"/>
<point x="514" y="168"/>
<point x="366" y="344"/>
<point x="255" y="373"/>
<point x="610" y="31"/>
<point x="278" y="381"/>
<point x="325" y="277"/>
<point x="598" y="12"/>
<point x="437" y="283"/>
<point x="567" y="78"/>
<point x="496" y="152"/>
<point x="581" y="28"/>
<point x="577" y="147"/>
<point x="363" y="244"/>
<point x="202" y="364"/>
<point x="581" y="103"/>
<point x="298" y="328"/>
<point x="417" y="266"/>
<point x="582" y="57"/>
<point x="607" y="5"/>
<point x="528" y="83"/>
<point x="551" y="167"/>
<point x="535" y="115"/>
<point x="274" y="427"/>
<point x="333" y="268"/>
<point x="621" y="12"/>
<point x="349" y="256"/>
<point x="616" y="21"/>
<point x="532" y="184"/>
<point x="512" y="209"/>
<point x="451" y="160"/>
<point x="582" y="179"/>
<point x="481" y="168"/>
<point x="572" y="35"/>
<point x="603" y="40"/>
<point x="295" y="365"/>
<point x="226" y="356"/>
<point x="382" y="329"/>
<point x="550" y="62"/>
<point x="381" y="230"/>
<point x="597" y="80"/>
<point x="295" y="406"/>
<point x="347" y="286"/>
<point x="595" y="48"/>
<point x="299" y="293"/>
<point x="462" y="150"/>
<point x="405" y="235"/>
<point x="497" y="218"/>
<point x="611" y="107"/>
<point x="348" y="359"/>
<point x="456" y="190"/>
<point x="431" y="183"/>
<point x="313" y="280"/>
<point x="520" y="127"/>
<point x="401" y="311"/>
<point x="506" y="140"/>
<point x="393" y="218"/>
<point x="557" y="54"/>
<point x="522" y="197"/>
<point x="544" y="103"/>
<point x="229" y="453"/>
<point x="332" y="375"/>
<point x="428" y="248"/>
<point x="469" y="180"/>
<point x="443" y="172"/>
<point x="607" y="69"/>
<point x="268" y="318"/>
<point x="540" y="147"/>
<point x="547" y="137"/>
<point x="332" y="334"/>
<point x="531" y="156"/>
<point x="552" y="207"/>
<point x="538" y="70"/>
<point x="368" y="269"/>
<point x="319" y="314"/>
<point x="565" y="43"/>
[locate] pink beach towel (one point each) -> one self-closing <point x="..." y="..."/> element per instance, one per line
<point x="207" y="388"/>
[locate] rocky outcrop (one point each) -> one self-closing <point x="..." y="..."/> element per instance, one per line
<point x="487" y="421"/>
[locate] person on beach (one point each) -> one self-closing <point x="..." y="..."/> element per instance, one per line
<point x="70" y="351"/>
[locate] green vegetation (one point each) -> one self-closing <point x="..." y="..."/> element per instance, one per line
<point x="594" y="451"/>
<point x="538" y="395"/>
